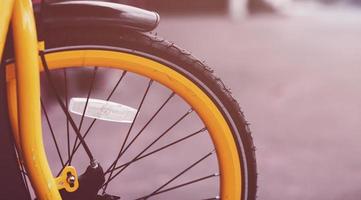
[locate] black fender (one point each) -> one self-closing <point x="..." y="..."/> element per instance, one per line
<point x="94" y="14"/>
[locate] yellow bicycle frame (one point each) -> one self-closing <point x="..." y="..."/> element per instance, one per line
<point x="20" y="14"/>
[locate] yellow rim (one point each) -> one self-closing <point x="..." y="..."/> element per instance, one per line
<point x="227" y="154"/>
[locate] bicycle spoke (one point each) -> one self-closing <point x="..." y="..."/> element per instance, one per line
<point x="67" y="108"/>
<point x="61" y="103"/>
<point x="181" y="185"/>
<point x="88" y="96"/>
<point x="22" y="171"/>
<point x="161" y="148"/>
<point x="85" y="107"/>
<point x="24" y="174"/>
<point x="94" y="120"/>
<point x="116" y="85"/>
<point x="52" y="132"/>
<point x="77" y="147"/>
<point x="151" y="144"/>
<point x="129" y="130"/>
<point x="135" y="118"/>
<point x="181" y="173"/>
<point x="25" y="180"/>
<point x="146" y="124"/>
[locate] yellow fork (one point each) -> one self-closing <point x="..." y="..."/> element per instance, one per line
<point x="28" y="93"/>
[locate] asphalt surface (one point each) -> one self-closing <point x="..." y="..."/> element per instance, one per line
<point x="298" y="82"/>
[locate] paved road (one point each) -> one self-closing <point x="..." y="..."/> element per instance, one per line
<point x="298" y="81"/>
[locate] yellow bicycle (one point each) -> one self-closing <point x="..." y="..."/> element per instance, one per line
<point x="100" y="109"/>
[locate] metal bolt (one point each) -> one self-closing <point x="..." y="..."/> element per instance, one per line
<point x="94" y="164"/>
<point x="71" y="180"/>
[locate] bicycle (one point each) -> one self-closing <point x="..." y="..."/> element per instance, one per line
<point x="57" y="47"/>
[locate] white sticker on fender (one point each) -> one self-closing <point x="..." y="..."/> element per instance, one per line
<point x="103" y="110"/>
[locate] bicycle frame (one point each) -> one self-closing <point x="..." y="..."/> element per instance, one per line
<point x="20" y="14"/>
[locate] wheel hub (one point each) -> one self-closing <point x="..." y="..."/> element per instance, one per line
<point x="90" y="183"/>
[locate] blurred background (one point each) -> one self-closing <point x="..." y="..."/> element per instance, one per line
<point x="294" y="67"/>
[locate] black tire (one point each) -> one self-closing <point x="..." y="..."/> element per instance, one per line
<point x="180" y="60"/>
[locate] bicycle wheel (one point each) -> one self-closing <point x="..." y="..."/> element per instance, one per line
<point x="156" y="119"/>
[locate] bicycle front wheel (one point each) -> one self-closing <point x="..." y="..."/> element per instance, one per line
<point x="156" y="119"/>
